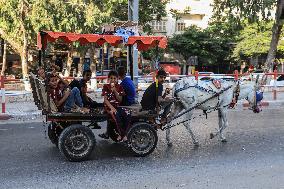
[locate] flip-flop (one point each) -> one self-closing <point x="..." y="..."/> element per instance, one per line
<point x="104" y="136"/>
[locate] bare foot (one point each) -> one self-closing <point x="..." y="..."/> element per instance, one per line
<point x="85" y="110"/>
<point x="124" y="138"/>
<point x="119" y="138"/>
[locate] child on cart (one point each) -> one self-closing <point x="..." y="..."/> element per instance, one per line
<point x="64" y="98"/>
<point x="113" y="93"/>
<point x="87" y="101"/>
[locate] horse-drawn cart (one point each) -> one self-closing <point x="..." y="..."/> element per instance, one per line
<point x="70" y="131"/>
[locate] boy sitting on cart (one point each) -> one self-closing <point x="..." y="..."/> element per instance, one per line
<point x="113" y="93"/>
<point x="64" y="98"/>
<point x="81" y="85"/>
<point x="153" y="98"/>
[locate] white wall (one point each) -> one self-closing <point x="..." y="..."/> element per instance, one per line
<point x="197" y="7"/>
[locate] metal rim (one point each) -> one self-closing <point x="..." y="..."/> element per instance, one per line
<point x="142" y="141"/>
<point x="77" y="143"/>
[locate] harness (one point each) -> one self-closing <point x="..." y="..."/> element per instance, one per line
<point x="217" y="94"/>
<point x="236" y="95"/>
<point x="187" y="86"/>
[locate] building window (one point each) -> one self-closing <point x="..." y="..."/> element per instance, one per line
<point x="180" y="26"/>
<point x="159" y="25"/>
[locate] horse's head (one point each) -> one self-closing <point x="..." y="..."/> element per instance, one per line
<point x="254" y="96"/>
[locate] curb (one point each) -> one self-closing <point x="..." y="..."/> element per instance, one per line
<point x="5" y="116"/>
<point x="23" y="116"/>
<point x="265" y="103"/>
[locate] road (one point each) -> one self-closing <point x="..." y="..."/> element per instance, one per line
<point x="253" y="157"/>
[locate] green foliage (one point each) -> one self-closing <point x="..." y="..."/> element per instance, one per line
<point x="84" y="16"/>
<point x="148" y="10"/>
<point x="177" y="14"/>
<point x="211" y="45"/>
<point x="153" y="54"/>
<point x="255" y="40"/>
<point x="18" y="18"/>
<point x="254" y="11"/>
<point x="237" y="10"/>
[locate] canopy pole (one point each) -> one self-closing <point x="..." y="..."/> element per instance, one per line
<point x="133" y="15"/>
<point x="130" y="61"/>
<point x="42" y="61"/>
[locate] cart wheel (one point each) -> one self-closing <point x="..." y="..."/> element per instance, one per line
<point x="76" y="142"/>
<point x="142" y="139"/>
<point x="53" y="132"/>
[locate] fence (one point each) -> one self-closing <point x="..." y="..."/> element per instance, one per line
<point x="235" y="76"/>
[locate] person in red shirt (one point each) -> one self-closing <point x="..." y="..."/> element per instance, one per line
<point x="64" y="98"/>
<point x="113" y="93"/>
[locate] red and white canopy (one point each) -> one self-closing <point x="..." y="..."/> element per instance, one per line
<point x="143" y="42"/>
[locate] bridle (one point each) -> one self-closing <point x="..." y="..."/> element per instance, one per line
<point x="236" y="95"/>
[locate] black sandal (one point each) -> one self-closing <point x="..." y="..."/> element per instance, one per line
<point x="104" y="136"/>
<point x="94" y="125"/>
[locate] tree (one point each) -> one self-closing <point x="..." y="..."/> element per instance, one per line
<point x="148" y="10"/>
<point x="254" y="11"/>
<point x="20" y="20"/>
<point x="254" y="40"/>
<point x="211" y="47"/>
<point x="4" y="58"/>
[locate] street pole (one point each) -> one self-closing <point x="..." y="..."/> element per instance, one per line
<point x="132" y="61"/>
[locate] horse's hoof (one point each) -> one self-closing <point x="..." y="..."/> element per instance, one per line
<point x="196" y="144"/>
<point x="211" y="135"/>
<point x="224" y="140"/>
<point x="170" y="144"/>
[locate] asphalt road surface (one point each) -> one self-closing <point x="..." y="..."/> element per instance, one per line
<point x="253" y="157"/>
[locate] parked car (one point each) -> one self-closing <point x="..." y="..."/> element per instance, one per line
<point x="205" y="75"/>
<point x="223" y="77"/>
<point x="278" y="82"/>
<point x="149" y="78"/>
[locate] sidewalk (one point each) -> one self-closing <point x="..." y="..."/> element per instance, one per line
<point x="24" y="110"/>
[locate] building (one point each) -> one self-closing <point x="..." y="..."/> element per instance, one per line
<point x="182" y="14"/>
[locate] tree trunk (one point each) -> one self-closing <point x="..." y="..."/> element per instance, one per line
<point x="4" y="58"/>
<point x="16" y="46"/>
<point x="92" y="62"/>
<point x="276" y="31"/>
<point x="24" y="56"/>
<point x="69" y="61"/>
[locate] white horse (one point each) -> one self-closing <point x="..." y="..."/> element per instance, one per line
<point x="190" y="93"/>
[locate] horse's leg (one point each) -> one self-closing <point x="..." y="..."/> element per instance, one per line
<point x="168" y="139"/>
<point x="224" y="124"/>
<point x="222" y="120"/>
<point x="176" y="108"/>
<point x="187" y="126"/>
